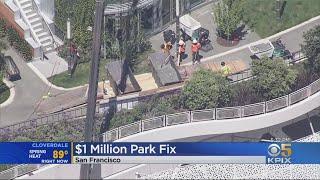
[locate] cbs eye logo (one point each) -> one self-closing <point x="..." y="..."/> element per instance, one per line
<point x="274" y="150"/>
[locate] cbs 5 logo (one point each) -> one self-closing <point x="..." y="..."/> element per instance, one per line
<point x="274" y="150"/>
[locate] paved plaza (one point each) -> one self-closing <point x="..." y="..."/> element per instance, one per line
<point x="205" y="17"/>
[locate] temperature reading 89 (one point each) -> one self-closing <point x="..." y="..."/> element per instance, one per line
<point x="59" y="154"/>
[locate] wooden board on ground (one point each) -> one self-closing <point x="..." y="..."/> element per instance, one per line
<point x="236" y="66"/>
<point x="146" y="81"/>
<point x="108" y="89"/>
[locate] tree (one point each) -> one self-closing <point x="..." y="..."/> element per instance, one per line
<point x="2" y="28"/>
<point x="244" y="94"/>
<point x="81" y="14"/>
<point x="227" y="14"/>
<point x="22" y="139"/>
<point x="154" y="107"/>
<point x="3" y="45"/>
<point x="272" y="78"/>
<point x="311" y="48"/>
<point x="205" y="89"/>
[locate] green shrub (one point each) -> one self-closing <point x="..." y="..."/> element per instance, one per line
<point x="19" y="44"/>
<point x="4" y="167"/>
<point x="272" y="78"/>
<point x="205" y="89"/>
<point x="2" y="28"/>
<point x="156" y="106"/>
<point x="311" y="48"/>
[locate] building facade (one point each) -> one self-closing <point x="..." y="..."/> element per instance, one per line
<point x="33" y="20"/>
<point x="154" y="15"/>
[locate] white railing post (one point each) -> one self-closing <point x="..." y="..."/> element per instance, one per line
<point x="215" y="114"/>
<point x="118" y="133"/>
<point x="241" y="111"/>
<point x="15" y="171"/>
<point x="141" y="126"/>
<point x="309" y="90"/>
<point x="289" y="100"/>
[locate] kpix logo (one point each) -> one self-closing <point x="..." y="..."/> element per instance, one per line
<point x="279" y="155"/>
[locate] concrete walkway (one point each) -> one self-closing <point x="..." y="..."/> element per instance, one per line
<point x="291" y="37"/>
<point x="215" y="127"/>
<point x="31" y="88"/>
<point x="205" y="17"/>
<point x="28" y="94"/>
<point x="51" y="66"/>
<point x="10" y="85"/>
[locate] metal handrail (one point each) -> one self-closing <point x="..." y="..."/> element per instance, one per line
<point x="47" y="25"/>
<point x="15" y="170"/>
<point x="25" y="19"/>
<point x="240" y="108"/>
<point x="40" y="118"/>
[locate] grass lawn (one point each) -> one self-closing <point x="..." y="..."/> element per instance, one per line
<point x="261" y="14"/>
<point x="142" y="64"/>
<point x="81" y="75"/>
<point x="4" y="91"/>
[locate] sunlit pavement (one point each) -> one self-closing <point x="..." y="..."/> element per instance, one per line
<point x="204" y="16"/>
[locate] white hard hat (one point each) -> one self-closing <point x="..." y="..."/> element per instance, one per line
<point x="194" y="41"/>
<point x="181" y="42"/>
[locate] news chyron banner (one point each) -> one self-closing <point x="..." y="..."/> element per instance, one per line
<point x="155" y="153"/>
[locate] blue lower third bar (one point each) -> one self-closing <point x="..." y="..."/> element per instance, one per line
<point x="169" y="159"/>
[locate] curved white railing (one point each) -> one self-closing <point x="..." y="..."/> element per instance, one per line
<point x="239" y="115"/>
<point x="217" y="114"/>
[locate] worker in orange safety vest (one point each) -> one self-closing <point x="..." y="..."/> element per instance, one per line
<point x="195" y="47"/>
<point x="182" y="50"/>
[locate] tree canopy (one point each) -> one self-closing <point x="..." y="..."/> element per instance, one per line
<point x="81" y="14"/>
<point x="144" y="110"/>
<point x="205" y="89"/>
<point x="272" y="78"/>
<point x="227" y="15"/>
<point x="311" y="48"/>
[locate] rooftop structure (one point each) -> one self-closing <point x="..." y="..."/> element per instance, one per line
<point x="163" y="69"/>
<point x="121" y="78"/>
<point x="262" y="49"/>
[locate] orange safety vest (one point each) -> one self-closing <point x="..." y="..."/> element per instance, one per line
<point x="182" y="49"/>
<point x="198" y="46"/>
<point x="194" y="48"/>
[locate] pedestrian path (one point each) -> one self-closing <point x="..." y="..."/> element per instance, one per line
<point x="10" y="85"/>
<point x="28" y="93"/>
<point x="204" y="16"/>
<point x="291" y="37"/>
<point x="51" y="66"/>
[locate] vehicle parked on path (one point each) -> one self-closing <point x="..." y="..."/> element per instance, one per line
<point x="264" y="49"/>
<point x="275" y="49"/>
<point x="11" y="69"/>
<point x="280" y="50"/>
<point x="191" y="29"/>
